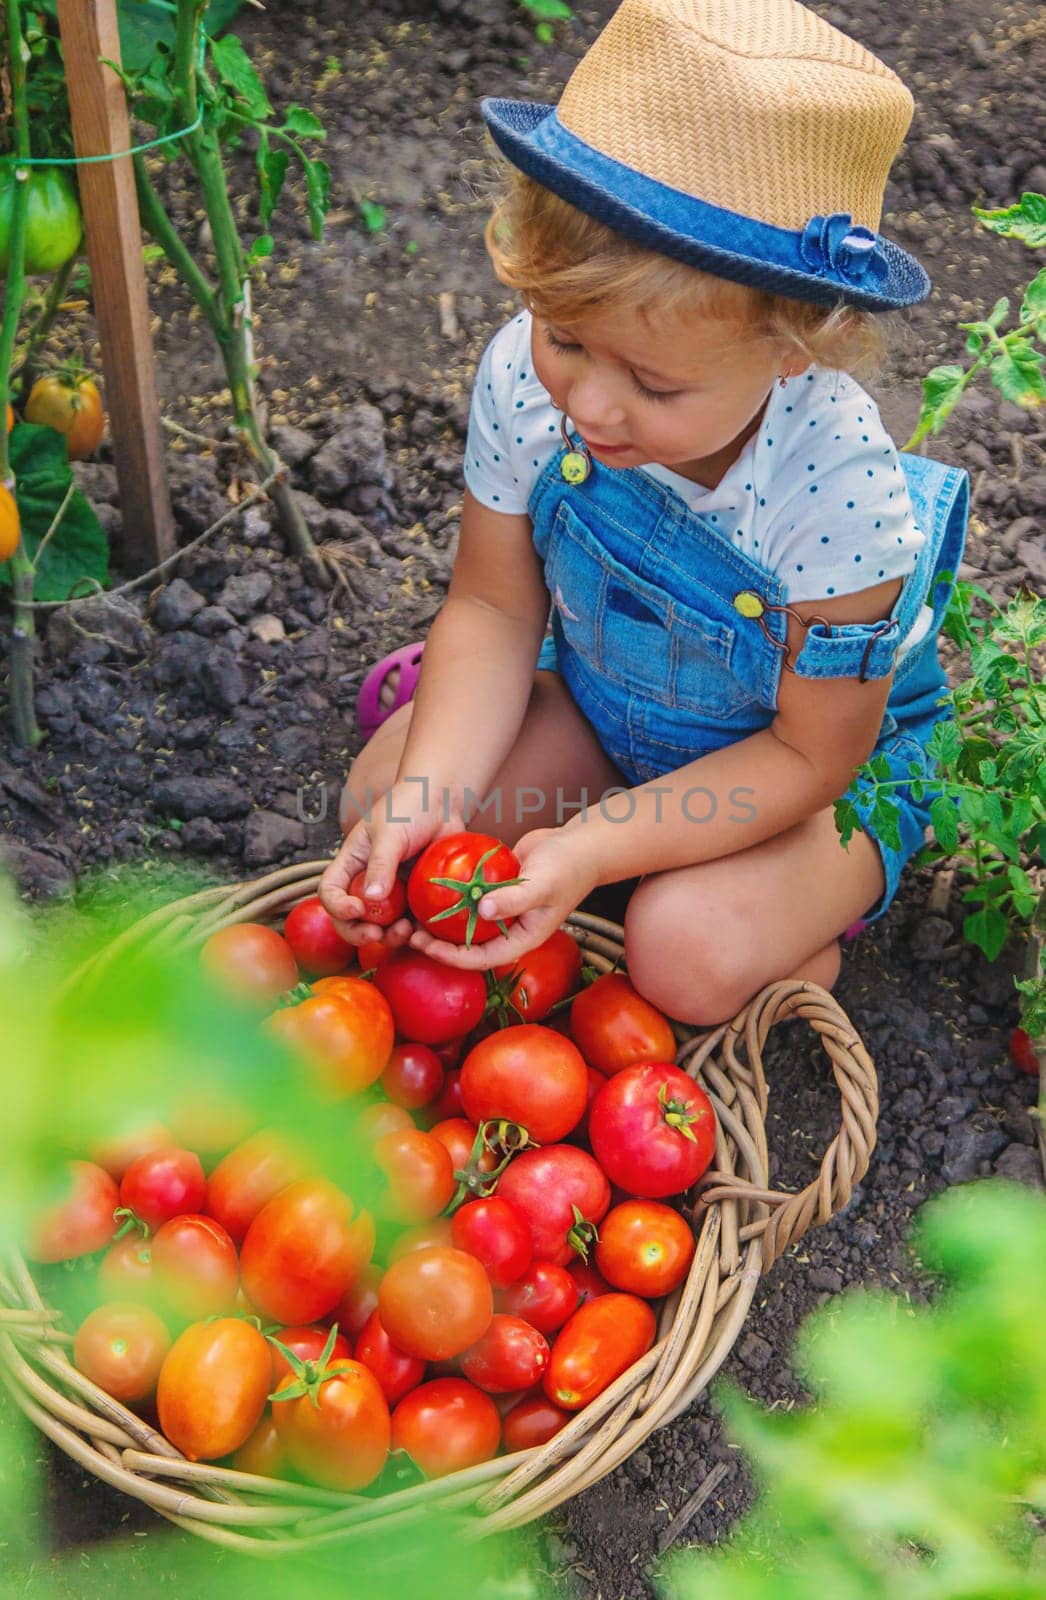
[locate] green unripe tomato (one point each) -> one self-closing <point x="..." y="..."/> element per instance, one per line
<point x="54" y="226"/>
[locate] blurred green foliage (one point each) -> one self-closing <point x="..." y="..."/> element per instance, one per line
<point x="920" y="1471"/>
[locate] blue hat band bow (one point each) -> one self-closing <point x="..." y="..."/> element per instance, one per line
<point x="835" y="244"/>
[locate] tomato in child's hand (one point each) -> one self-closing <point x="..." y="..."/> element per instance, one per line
<point x="613" y="1026"/>
<point x="387" y="908"/>
<point x="318" y="947"/>
<point x="448" y="880"/>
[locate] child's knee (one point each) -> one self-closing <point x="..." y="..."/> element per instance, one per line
<point x="374" y="769"/>
<point x="684" y="955"/>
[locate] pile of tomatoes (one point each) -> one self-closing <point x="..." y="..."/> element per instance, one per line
<point x="527" y="1140"/>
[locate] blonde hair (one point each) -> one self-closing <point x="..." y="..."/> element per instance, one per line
<point x="567" y="266"/>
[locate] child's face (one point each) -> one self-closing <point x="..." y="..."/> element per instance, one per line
<point x="687" y="393"/>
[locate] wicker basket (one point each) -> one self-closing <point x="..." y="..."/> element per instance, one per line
<point x="741" y="1225"/>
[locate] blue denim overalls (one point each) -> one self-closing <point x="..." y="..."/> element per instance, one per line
<point x="656" y="654"/>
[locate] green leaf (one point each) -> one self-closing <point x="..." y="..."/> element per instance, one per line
<point x="1034" y="302"/>
<point x="262" y="248"/>
<point x="143" y="27"/>
<point x="945" y="821"/>
<point x="373" y="215"/>
<point x="1025" y="221"/>
<point x="78" y="548"/>
<point x="847" y="819"/>
<point x="1016" y="371"/>
<point x="317" y="186"/>
<point x="548" y="10"/>
<point x="272" y="171"/>
<point x="987" y="929"/>
<point x="942" y="389"/>
<point x="998" y="312"/>
<point x="236" y="70"/>
<point x="300" y="121"/>
<point x="885" y="821"/>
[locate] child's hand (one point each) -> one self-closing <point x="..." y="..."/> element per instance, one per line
<point x="378" y="845"/>
<point x="556" y="880"/>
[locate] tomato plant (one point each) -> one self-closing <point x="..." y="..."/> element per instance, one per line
<point x="333" y="1422"/>
<point x="54" y="226"/>
<point x="652" y="1129"/>
<point x="300" y="1255"/>
<point x="213" y="1386"/>
<point x="81" y="1222"/>
<point x="599" y="1343"/>
<point x="250" y="961"/>
<point x="645" y="1248"/>
<point x="431" y="1002"/>
<point x="511" y="1355"/>
<point x="121" y="1347"/>
<point x="71" y="405"/>
<point x="413" y="1076"/>
<point x="529" y="1075"/>
<point x="317" y="946"/>
<point x="563" y="1193"/>
<point x="445" y="1426"/>
<point x="613" y="1026"/>
<point x="450" y="878"/>
<point x="538" y="980"/>
<point x="163" y="1184"/>
<point x="434" y="1303"/>
<point x="194" y="1267"/>
<point x="397" y="1373"/>
<point x="248" y="1178"/>
<point x="497" y="1233"/>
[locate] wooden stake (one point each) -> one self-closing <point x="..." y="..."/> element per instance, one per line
<point x="98" y="108"/>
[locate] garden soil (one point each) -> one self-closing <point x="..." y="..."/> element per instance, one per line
<point x="206" y="725"/>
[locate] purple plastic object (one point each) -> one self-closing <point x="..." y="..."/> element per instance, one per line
<point x="855" y="929"/>
<point x="370" y="713"/>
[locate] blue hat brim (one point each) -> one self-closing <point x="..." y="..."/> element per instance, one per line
<point x="709" y="237"/>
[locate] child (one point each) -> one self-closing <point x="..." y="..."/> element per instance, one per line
<point x="667" y="447"/>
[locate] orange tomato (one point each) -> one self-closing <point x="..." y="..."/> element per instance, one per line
<point x="345" y="1035"/>
<point x="419" y="1175"/>
<point x="338" y="1435"/>
<point x="262" y="1453"/>
<point x="644" y="1248"/>
<point x="72" y="407"/>
<point x="599" y="1343"/>
<point x="250" y="961"/>
<point x="213" y="1387"/>
<point x="121" y="1347"/>
<point x="10" y="524"/>
<point x="10" y="417"/>
<point x="613" y="1026"/>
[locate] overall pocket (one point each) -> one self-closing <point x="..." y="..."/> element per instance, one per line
<point x="637" y="635"/>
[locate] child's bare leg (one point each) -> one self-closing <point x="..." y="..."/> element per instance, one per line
<point x="701" y="941"/>
<point x="555" y="758"/>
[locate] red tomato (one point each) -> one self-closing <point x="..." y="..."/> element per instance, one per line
<point x="532" y="1421"/>
<point x="542" y="977"/>
<point x="545" y="1296"/>
<point x="435" y="1303"/>
<point x="449" y="879"/>
<point x="344" y="1036"/>
<point x="588" y="1280"/>
<point x="251" y="962"/>
<point x="81" y="1222"/>
<point x="162" y="1185"/>
<point x="450" y="1052"/>
<point x="497" y="1233"/>
<point x="421" y="1237"/>
<point x="447" y="1103"/>
<point x="526" y="1074"/>
<point x="596" y="1080"/>
<point x="387" y="908"/>
<point x="419" y="1175"/>
<point x="317" y="946"/>
<point x="248" y="1178"/>
<point x="459" y="1136"/>
<point x="194" y="1267"/>
<point x="613" y="1026"/>
<point x="300" y="1254"/>
<point x="644" y="1248"/>
<point x="652" y="1130"/>
<point x="396" y="1372"/>
<point x="121" y="1347"/>
<point x="511" y="1355"/>
<point x="308" y="1344"/>
<point x="413" y="1076"/>
<point x="370" y="953"/>
<point x="599" y="1343"/>
<point x="117" y="1153"/>
<point x="550" y="1186"/>
<point x="126" y="1271"/>
<point x="357" y="1303"/>
<point x="262" y="1453"/>
<point x="376" y="1120"/>
<point x="431" y="1002"/>
<point x="338" y="1433"/>
<point x="213" y="1387"/>
<point x="446" y="1425"/>
<point x="1023" y="1053"/>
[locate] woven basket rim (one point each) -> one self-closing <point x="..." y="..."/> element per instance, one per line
<point x="741" y="1225"/>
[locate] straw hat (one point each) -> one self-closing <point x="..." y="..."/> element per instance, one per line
<point x="746" y="137"/>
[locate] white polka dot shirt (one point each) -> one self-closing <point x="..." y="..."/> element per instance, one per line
<point x="817" y="495"/>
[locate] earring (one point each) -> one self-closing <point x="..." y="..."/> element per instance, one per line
<point x="783" y="382"/>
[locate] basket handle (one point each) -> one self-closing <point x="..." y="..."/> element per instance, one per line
<point x="846" y="1160"/>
